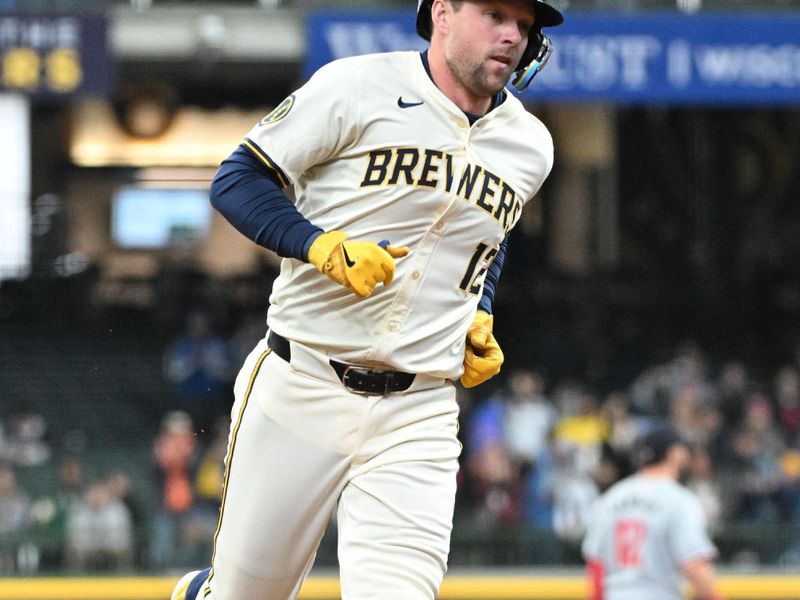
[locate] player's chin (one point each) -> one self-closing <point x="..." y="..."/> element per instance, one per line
<point x="498" y="74"/>
<point x="494" y="85"/>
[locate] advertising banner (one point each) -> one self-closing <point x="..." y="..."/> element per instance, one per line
<point x="710" y="59"/>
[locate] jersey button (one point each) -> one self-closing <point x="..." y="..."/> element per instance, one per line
<point x="415" y="275"/>
<point x="438" y="227"/>
<point x="394" y="326"/>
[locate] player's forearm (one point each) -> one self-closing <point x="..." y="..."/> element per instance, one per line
<point x="257" y="207"/>
<point x="703" y="579"/>
<point x="493" y="278"/>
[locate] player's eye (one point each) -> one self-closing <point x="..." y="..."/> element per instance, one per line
<point x="494" y="15"/>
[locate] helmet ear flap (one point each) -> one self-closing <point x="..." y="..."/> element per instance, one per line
<point x="535" y="58"/>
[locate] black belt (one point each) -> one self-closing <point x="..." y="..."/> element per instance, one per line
<point x="356" y="379"/>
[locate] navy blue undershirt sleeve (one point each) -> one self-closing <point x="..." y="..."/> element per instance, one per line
<point x="493" y="277"/>
<point x="249" y="195"/>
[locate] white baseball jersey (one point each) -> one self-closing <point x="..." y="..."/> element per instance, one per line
<point x="643" y="530"/>
<point x="375" y="149"/>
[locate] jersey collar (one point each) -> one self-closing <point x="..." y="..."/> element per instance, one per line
<point x="499" y="98"/>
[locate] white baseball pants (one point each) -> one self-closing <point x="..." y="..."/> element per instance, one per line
<point x="299" y="443"/>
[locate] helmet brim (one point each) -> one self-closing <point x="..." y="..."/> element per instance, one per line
<point x="545" y="15"/>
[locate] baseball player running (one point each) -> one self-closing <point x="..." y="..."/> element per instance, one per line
<point x="409" y="171"/>
<point x="647" y="532"/>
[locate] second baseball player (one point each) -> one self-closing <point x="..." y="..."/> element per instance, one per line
<point x="648" y="532"/>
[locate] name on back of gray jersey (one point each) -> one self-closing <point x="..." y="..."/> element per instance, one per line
<point x="634" y="503"/>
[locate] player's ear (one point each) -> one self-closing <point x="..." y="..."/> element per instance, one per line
<point x="440" y="16"/>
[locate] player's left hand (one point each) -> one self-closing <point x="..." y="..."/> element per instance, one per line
<point x="483" y="357"/>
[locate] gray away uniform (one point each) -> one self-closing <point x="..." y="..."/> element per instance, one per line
<point x="643" y="529"/>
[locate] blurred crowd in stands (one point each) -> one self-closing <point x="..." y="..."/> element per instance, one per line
<point x="101" y="522"/>
<point x="536" y="455"/>
<point x="539" y="455"/>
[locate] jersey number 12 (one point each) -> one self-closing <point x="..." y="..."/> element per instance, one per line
<point x="629" y="536"/>
<point x="480" y="261"/>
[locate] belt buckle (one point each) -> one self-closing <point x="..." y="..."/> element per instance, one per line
<point x="388" y="377"/>
<point x="346" y="380"/>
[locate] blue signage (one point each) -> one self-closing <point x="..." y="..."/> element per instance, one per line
<point x="52" y="55"/>
<point x="719" y="59"/>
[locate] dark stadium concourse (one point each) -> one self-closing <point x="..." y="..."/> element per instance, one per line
<point x="655" y="277"/>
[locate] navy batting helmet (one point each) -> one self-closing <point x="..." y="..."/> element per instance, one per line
<point x="537" y="51"/>
<point x="653" y="447"/>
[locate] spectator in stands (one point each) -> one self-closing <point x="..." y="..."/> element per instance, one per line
<point x="529" y="416"/>
<point x="70" y="480"/>
<point x="751" y="477"/>
<point x="538" y="492"/>
<point x="211" y="469"/>
<point x="507" y="434"/>
<point x="790" y="465"/>
<point x="26" y="445"/>
<point x="733" y="388"/>
<point x="703" y="483"/>
<point x="573" y="491"/>
<point x="581" y="426"/>
<point x="685" y="409"/>
<point x="50" y="511"/>
<point x="174" y="462"/>
<point x="199" y="363"/>
<point x="653" y="390"/>
<point x="787" y="394"/>
<point x="14" y="517"/>
<point x="121" y="488"/>
<point x="99" y="531"/>
<point x="577" y="452"/>
<point x="759" y="417"/>
<point x="689" y="367"/>
<point x="712" y="433"/>
<point x="201" y="524"/>
<point x="494" y="477"/>
<point x="626" y="427"/>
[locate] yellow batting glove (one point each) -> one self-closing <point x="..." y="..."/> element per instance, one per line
<point x="480" y="330"/>
<point x="483" y="357"/>
<point x="358" y="266"/>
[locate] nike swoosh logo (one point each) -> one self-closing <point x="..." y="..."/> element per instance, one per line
<point x="402" y="104"/>
<point x="350" y="263"/>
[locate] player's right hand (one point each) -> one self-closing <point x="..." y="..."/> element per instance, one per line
<point x="358" y="266"/>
